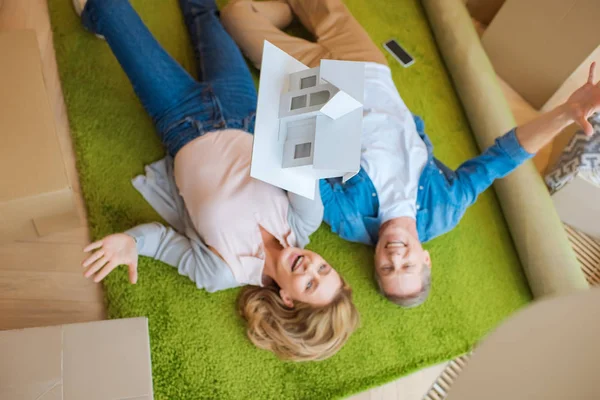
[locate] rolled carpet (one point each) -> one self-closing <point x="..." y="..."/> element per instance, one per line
<point x="545" y="252"/>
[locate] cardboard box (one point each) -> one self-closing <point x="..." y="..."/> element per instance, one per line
<point x="574" y="81"/>
<point x="308" y="122"/>
<point x="536" y="45"/>
<point x="484" y="11"/>
<point x="545" y="351"/>
<point x="578" y="205"/>
<point x="35" y="188"/>
<point x="105" y="360"/>
<point x="574" y="182"/>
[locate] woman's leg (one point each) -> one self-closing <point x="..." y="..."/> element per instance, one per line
<point x="250" y="28"/>
<point x="337" y="30"/>
<point x="220" y="63"/>
<point x="166" y="90"/>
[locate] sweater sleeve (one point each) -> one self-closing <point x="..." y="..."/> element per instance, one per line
<point x="305" y="216"/>
<point x="192" y="258"/>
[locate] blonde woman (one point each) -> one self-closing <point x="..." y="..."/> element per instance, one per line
<point x="231" y="230"/>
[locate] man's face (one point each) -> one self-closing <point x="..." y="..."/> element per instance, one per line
<point x="399" y="262"/>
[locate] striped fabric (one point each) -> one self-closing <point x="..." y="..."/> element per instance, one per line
<point x="588" y="254"/>
<point x="581" y="157"/>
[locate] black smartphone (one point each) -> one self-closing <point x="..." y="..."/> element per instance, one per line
<point x="399" y="53"/>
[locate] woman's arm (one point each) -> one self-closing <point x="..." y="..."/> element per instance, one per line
<point x="192" y="259"/>
<point x="582" y="104"/>
<point x="305" y="215"/>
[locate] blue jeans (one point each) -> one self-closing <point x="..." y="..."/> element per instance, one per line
<point x="182" y="108"/>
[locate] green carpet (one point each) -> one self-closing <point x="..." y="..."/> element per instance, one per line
<point x="199" y="348"/>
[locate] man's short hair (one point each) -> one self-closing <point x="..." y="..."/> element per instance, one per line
<point x="412" y="300"/>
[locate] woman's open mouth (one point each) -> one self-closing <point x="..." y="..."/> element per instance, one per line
<point x="297" y="262"/>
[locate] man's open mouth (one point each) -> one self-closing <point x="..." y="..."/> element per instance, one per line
<point x="391" y="245"/>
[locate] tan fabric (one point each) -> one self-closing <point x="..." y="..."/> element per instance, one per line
<point x="338" y="35"/>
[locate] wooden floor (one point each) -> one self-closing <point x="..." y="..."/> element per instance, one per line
<point x="41" y="281"/>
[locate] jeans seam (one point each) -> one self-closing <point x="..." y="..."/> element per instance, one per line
<point x="222" y="123"/>
<point x="177" y="123"/>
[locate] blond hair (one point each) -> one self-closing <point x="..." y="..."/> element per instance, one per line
<point x="303" y="332"/>
<point x="413" y="300"/>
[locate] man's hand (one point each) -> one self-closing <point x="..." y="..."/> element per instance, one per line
<point x="585" y="101"/>
<point x="582" y="104"/>
<point x="109" y="253"/>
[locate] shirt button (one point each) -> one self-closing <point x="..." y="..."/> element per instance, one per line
<point x="420" y="187"/>
<point x="440" y="171"/>
<point x="374" y="194"/>
<point x="418" y="207"/>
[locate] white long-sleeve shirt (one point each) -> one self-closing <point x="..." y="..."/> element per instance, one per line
<point x="393" y="154"/>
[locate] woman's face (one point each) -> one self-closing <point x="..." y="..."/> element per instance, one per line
<point x="305" y="276"/>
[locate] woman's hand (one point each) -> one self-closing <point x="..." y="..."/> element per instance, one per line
<point x="109" y="253"/>
<point x="585" y="101"/>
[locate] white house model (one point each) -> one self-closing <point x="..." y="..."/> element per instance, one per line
<point x="308" y="122"/>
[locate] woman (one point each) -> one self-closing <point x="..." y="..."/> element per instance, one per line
<point x="234" y="230"/>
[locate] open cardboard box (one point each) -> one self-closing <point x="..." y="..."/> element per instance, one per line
<point x="105" y="360"/>
<point x="35" y="196"/>
<point x="573" y="179"/>
<point x="484" y="11"/>
<point x="543" y="48"/>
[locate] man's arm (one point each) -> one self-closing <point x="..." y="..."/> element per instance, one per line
<point x="511" y="150"/>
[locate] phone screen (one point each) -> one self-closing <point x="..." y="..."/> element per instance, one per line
<point x="399" y="52"/>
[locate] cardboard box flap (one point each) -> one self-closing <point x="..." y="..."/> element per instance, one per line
<point x="115" y="351"/>
<point x="578" y="206"/>
<point x="92" y="361"/>
<point x="30" y="156"/>
<point x="535" y="45"/>
<point x="31" y="366"/>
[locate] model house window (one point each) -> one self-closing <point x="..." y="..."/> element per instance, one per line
<point x="298" y="102"/>
<point x="302" y="150"/>
<point x="318" y="98"/>
<point x="308" y="82"/>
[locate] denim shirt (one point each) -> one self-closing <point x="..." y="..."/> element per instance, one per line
<point x="352" y="208"/>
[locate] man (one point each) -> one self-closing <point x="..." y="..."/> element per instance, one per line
<point x="403" y="195"/>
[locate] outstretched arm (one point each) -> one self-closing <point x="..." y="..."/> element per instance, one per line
<point x="511" y="150"/>
<point x="191" y="259"/>
<point x="582" y="104"/>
